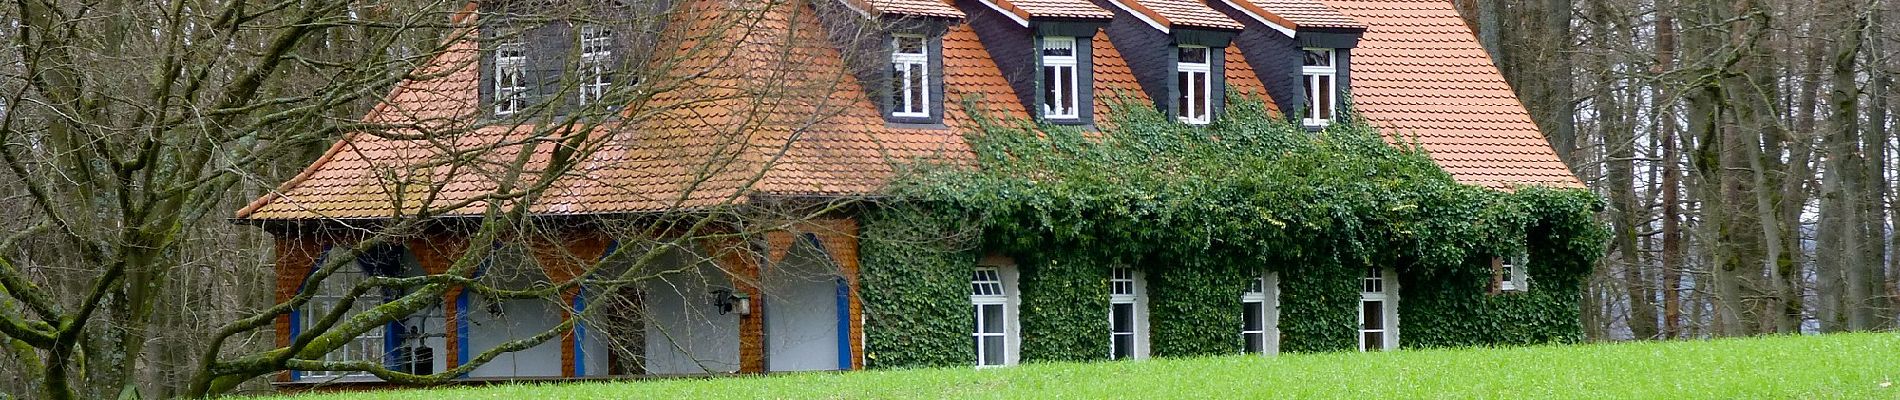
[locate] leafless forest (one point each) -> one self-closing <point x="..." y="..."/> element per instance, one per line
<point x="1743" y="147"/>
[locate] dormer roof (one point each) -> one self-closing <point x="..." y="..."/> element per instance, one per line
<point x="1025" y="10"/>
<point x="1293" y="15"/>
<point x="914" y="8"/>
<point x="1168" y="14"/>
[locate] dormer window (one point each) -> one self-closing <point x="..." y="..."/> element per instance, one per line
<point x="910" y="77"/>
<point x="596" y="67"/>
<point x="1319" y="71"/>
<point x="1195" y="104"/>
<point x="1061" y="93"/>
<point x="511" y="81"/>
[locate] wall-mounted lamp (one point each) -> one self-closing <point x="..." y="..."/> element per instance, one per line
<point x="729" y="301"/>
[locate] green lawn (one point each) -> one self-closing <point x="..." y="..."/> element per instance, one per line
<point x="1857" y="366"/>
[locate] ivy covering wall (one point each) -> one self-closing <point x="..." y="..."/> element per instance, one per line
<point x="1202" y="210"/>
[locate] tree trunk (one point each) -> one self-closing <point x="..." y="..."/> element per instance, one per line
<point x="1671" y="172"/>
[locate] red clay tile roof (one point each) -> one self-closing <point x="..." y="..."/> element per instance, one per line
<point x="1027" y="9"/>
<point x="1298" y="14"/>
<point x="1420" y="74"/>
<point x="922" y="8"/>
<point x="1241" y="78"/>
<point x="1113" y="79"/>
<point x="736" y="122"/>
<point x="1187" y="13"/>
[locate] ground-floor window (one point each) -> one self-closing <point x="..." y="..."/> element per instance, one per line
<point x="330" y="293"/>
<point x="1259" y="312"/>
<point x="1122" y="300"/>
<point x="991" y="305"/>
<point x="1377" y="311"/>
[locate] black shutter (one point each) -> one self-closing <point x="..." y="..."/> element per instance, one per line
<point x="548" y="49"/>
<point x="1085" y="78"/>
<point x="935" y="61"/>
<point x="1217" y="73"/>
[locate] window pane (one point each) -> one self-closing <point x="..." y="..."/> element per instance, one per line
<point x="993" y="350"/>
<point x="976" y="323"/>
<point x="1311" y="103"/>
<point x="1318" y="58"/>
<point x="992" y="318"/>
<point x="976" y="342"/>
<point x="897" y="88"/>
<point x="1326" y="97"/>
<point x="1197" y="55"/>
<point x="1123" y="318"/>
<point x="1200" y="95"/>
<point x="917" y="88"/>
<point x="1050" y="88"/>
<point x="1181" y="104"/>
<point x="1067" y="84"/>
<point x="1061" y="47"/>
<point x="1124" y="347"/>
<point x="1374" y="314"/>
<point x="1252" y="316"/>
<point x="1375" y="341"/>
<point x="1256" y="342"/>
<point x="910" y="44"/>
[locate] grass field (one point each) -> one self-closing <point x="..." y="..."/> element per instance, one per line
<point x="1853" y="366"/>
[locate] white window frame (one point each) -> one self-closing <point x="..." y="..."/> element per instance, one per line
<point x="1124" y="288"/>
<point x="597" y="54"/>
<point x="915" y="99"/>
<point x="511" y="78"/>
<point x="987" y="289"/>
<point x="1379" y="284"/>
<point x="1311" y="76"/>
<point x="366" y="347"/>
<point x="1264" y="290"/>
<point x="1512" y="277"/>
<point x="1052" y="94"/>
<point x="1189" y="92"/>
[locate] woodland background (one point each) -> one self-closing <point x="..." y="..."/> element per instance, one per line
<point x="1744" y="146"/>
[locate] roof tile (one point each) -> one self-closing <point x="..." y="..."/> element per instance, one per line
<point x="792" y="122"/>
<point x="1185" y="13"/>
<point x="1300" y="14"/>
<point x="921" y="8"/>
<point x="1054" y="9"/>
<point x="1420" y="74"/>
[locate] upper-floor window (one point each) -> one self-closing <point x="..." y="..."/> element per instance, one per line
<point x="596" y="74"/>
<point x="1195" y="106"/>
<point x="910" y="76"/>
<point x="1319" y="70"/>
<point x="511" y="81"/>
<point x="1061" y="93"/>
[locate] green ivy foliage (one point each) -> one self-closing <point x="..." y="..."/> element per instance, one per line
<point x="1064" y="308"/>
<point x="1203" y="209"/>
<point x="915" y="286"/>
<point x="1194" y="309"/>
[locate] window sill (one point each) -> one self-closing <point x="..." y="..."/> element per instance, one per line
<point x="1078" y="121"/>
<point x="915" y="125"/>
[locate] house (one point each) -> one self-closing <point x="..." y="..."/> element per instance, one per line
<point x="786" y="111"/>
